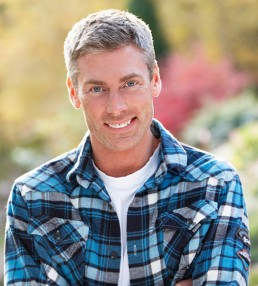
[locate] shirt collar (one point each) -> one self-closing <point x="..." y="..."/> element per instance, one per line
<point x="172" y="156"/>
<point x="82" y="159"/>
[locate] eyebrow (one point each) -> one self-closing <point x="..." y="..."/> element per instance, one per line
<point x="94" y="81"/>
<point x="122" y="79"/>
<point x="129" y="76"/>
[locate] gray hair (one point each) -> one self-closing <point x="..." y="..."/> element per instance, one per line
<point x="107" y="30"/>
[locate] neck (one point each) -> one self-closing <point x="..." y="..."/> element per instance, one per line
<point x="122" y="163"/>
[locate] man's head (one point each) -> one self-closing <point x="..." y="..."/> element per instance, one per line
<point x="107" y="30"/>
<point x="113" y="76"/>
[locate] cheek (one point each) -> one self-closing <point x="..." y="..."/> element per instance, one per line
<point x="145" y="108"/>
<point x="92" y="109"/>
<point x="146" y="101"/>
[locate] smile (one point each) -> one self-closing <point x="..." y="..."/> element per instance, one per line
<point x="121" y="125"/>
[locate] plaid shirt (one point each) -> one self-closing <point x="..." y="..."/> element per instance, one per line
<point x="187" y="220"/>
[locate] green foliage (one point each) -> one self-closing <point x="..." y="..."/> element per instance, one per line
<point x="254" y="241"/>
<point x="226" y="28"/>
<point x="244" y="143"/>
<point x="146" y="10"/>
<point x="253" y="281"/>
<point x="214" y="124"/>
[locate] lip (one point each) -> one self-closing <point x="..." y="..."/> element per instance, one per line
<point x="121" y="125"/>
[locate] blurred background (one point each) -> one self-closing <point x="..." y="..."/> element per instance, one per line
<point x="208" y="56"/>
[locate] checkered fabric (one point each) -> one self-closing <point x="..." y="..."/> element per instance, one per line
<point x="187" y="220"/>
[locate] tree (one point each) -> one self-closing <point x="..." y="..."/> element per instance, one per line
<point x="146" y="10"/>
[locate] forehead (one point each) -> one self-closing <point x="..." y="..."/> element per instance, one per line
<point x="112" y="64"/>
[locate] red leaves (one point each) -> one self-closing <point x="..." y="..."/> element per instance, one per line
<point x="188" y="82"/>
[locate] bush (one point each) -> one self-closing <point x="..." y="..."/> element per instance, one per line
<point x="244" y="142"/>
<point x="214" y="125"/>
<point x="189" y="82"/>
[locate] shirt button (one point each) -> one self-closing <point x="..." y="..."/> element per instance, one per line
<point x="113" y="255"/>
<point x="57" y="235"/>
<point x="190" y="220"/>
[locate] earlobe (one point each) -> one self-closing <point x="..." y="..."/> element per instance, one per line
<point x="73" y="94"/>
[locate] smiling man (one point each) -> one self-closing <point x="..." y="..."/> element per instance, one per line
<point x="131" y="205"/>
<point x="118" y="108"/>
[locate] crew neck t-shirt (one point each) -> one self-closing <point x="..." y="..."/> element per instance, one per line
<point x="122" y="191"/>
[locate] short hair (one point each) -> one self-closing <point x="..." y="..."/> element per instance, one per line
<point x="107" y="30"/>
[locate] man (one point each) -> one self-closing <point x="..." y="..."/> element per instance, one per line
<point x="131" y="205"/>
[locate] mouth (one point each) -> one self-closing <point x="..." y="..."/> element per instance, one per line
<point x="120" y="125"/>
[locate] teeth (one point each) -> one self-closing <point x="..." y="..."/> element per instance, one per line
<point x="122" y="125"/>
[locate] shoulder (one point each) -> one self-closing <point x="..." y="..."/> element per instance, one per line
<point x="49" y="176"/>
<point x="192" y="163"/>
<point x="202" y="164"/>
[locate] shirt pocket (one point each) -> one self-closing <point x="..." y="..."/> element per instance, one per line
<point x="184" y="230"/>
<point x="60" y="243"/>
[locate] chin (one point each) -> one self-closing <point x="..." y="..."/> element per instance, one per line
<point x="123" y="146"/>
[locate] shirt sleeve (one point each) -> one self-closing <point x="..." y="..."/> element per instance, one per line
<point x="224" y="258"/>
<point x="21" y="261"/>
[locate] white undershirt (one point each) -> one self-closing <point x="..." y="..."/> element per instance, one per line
<point x="122" y="191"/>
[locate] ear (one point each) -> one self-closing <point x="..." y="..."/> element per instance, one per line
<point x="156" y="81"/>
<point x="73" y="94"/>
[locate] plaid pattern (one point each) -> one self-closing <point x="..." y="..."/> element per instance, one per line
<point x="188" y="220"/>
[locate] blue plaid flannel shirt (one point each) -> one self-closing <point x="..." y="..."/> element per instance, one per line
<point x="188" y="220"/>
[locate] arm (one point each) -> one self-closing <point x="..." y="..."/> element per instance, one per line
<point x="21" y="263"/>
<point x="225" y="255"/>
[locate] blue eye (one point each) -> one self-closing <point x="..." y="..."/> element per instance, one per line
<point x="96" y="88"/>
<point x="131" y="83"/>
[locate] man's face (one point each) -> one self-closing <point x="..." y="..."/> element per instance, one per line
<point x="115" y="92"/>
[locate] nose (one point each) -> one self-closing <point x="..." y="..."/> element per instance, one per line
<point x="116" y="103"/>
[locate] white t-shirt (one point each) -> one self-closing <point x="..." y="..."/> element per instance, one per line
<point x="122" y="191"/>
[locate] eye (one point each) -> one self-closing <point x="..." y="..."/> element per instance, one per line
<point x="131" y="83"/>
<point x="96" y="89"/>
